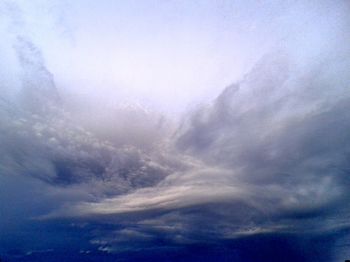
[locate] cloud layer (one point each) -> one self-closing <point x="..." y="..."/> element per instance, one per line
<point x="262" y="168"/>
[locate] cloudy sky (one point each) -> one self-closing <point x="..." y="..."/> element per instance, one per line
<point x="174" y="130"/>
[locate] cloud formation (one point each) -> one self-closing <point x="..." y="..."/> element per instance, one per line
<point x="251" y="149"/>
<point x="264" y="167"/>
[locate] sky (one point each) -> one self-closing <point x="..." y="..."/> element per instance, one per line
<point x="174" y="130"/>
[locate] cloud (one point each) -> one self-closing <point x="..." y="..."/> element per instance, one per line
<point x="246" y="166"/>
<point x="264" y="167"/>
<point x="259" y="162"/>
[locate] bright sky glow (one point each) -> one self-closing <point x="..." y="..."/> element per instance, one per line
<point x="165" y="54"/>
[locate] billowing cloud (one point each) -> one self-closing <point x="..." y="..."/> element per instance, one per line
<point x="256" y="152"/>
<point x="263" y="167"/>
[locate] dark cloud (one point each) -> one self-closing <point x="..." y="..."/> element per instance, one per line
<point x="260" y="163"/>
<point x="247" y="172"/>
<point x="260" y="174"/>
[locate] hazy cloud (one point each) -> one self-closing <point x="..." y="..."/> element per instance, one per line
<point x="263" y="167"/>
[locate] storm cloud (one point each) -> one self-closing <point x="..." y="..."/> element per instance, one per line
<point x="259" y="172"/>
